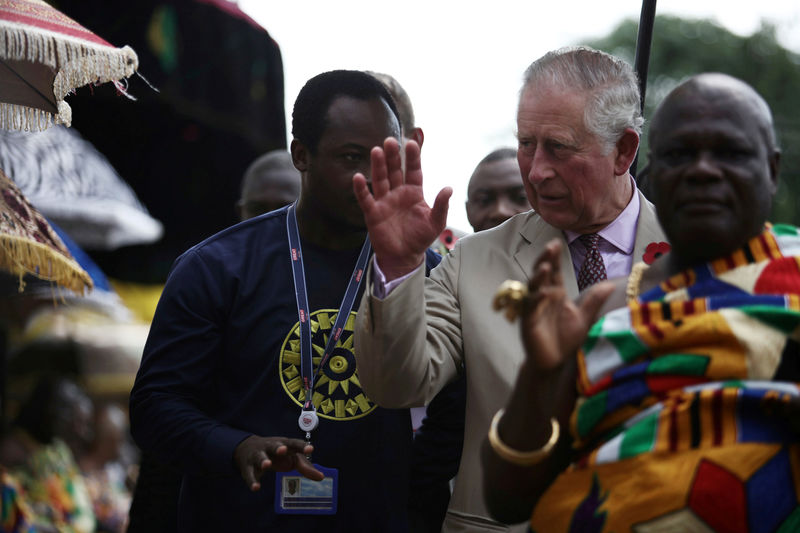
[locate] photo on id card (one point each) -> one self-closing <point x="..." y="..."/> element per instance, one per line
<point x="295" y="494"/>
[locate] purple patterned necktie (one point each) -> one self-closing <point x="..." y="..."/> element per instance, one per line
<point x="593" y="269"/>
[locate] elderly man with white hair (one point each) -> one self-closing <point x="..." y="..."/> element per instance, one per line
<point x="578" y="123"/>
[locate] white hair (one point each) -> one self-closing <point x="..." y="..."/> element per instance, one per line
<point x="610" y="83"/>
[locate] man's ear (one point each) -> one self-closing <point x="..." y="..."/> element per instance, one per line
<point x="626" y="147"/>
<point x="417" y="135"/>
<point x="299" y="155"/>
<point x="774" y="169"/>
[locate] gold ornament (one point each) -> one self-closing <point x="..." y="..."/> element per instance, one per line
<point x="509" y="297"/>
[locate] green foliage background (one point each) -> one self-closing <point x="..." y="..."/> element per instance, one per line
<point x="684" y="47"/>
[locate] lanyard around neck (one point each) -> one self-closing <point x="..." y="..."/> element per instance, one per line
<point x="298" y="273"/>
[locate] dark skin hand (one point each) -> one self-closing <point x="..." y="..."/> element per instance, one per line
<point x="255" y="455"/>
<point x="553" y="328"/>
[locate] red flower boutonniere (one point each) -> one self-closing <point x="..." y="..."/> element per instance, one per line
<point x="448" y="239"/>
<point x="655" y="250"/>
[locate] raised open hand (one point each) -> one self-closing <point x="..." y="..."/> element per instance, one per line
<point x="553" y="326"/>
<point x="401" y="224"/>
<point x="255" y="455"/>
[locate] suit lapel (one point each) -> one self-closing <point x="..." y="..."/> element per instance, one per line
<point x="536" y="233"/>
<point x="648" y="230"/>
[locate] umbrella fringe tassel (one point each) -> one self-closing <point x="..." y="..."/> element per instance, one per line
<point x="21" y="256"/>
<point x="76" y="63"/>
<point x="18" y="117"/>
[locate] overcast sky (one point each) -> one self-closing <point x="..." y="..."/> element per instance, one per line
<point x="462" y="62"/>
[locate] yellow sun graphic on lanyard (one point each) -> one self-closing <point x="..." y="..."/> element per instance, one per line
<point x="337" y="393"/>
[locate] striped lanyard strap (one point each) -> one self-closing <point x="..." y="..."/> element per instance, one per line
<point x="308" y="417"/>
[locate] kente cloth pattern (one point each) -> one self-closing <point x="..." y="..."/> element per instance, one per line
<point x="53" y="489"/>
<point x="111" y="499"/>
<point x="15" y="514"/>
<point x="678" y="426"/>
<point x="593" y="269"/>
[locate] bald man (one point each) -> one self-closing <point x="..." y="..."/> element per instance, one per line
<point x="269" y="183"/>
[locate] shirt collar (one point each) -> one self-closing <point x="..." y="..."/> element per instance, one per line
<point x="621" y="233"/>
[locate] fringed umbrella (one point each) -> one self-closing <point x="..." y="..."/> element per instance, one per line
<point x="44" y="55"/>
<point x="220" y="106"/>
<point x="28" y="244"/>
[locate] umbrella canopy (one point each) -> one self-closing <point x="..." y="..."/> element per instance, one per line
<point x="106" y="351"/>
<point x="102" y="299"/>
<point x="43" y="56"/>
<point x="28" y="245"/>
<point x="76" y="187"/>
<point x="220" y="105"/>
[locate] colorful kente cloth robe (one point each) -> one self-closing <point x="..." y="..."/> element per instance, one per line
<point x="15" y="515"/>
<point x="683" y="420"/>
<point x="54" y="490"/>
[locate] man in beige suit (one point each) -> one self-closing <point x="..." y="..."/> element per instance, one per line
<point x="578" y="128"/>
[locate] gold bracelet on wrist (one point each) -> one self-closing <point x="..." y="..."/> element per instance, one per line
<point x="515" y="456"/>
<point x="634" y="284"/>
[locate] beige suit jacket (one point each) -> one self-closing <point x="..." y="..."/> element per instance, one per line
<point x="411" y="344"/>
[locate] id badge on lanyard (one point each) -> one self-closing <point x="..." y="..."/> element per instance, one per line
<point x="295" y="494"/>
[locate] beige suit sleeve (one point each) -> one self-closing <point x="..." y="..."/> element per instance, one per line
<point x="408" y="346"/>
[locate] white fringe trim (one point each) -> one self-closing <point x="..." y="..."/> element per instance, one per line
<point x="17" y="117"/>
<point x="76" y="62"/>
